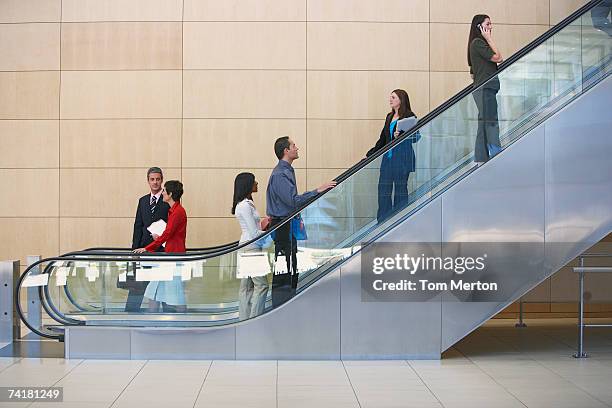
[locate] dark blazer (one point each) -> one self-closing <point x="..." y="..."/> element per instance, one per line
<point x="142" y="237"/>
<point x="403" y="152"/>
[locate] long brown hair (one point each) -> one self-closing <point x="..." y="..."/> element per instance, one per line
<point x="404" y="110"/>
<point x="475" y="32"/>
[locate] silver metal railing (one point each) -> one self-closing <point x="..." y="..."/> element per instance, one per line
<point x="581" y="271"/>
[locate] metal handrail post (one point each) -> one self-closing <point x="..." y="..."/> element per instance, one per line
<point x="33" y="300"/>
<point x="10" y="325"/>
<point x="581" y="353"/>
<point x="520" y="323"/>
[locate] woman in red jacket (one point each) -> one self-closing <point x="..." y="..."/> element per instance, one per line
<point x="170" y="294"/>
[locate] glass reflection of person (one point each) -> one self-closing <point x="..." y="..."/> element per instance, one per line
<point x="170" y="294"/>
<point x="254" y="286"/>
<point x="397" y="163"/>
<point x="483" y="57"/>
<point x="601" y="15"/>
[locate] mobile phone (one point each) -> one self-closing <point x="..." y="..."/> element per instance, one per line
<point x="479" y="26"/>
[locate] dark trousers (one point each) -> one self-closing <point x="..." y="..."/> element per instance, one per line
<point x="392" y="187"/>
<point x="488" y="123"/>
<point x="136" y="292"/>
<point x="284" y="285"/>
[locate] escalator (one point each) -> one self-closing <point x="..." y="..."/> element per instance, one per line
<point x="74" y="300"/>
<point x="548" y="190"/>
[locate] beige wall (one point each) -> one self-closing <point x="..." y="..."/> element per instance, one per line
<point x="92" y="92"/>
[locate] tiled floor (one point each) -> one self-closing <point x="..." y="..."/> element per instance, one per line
<point x="496" y="366"/>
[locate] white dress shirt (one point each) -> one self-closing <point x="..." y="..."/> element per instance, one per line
<point x="157" y="197"/>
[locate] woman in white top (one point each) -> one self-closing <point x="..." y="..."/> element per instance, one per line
<point x="254" y="284"/>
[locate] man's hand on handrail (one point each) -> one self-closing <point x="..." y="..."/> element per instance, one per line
<point x="327" y="186"/>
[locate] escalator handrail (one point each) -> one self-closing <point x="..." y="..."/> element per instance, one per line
<point x="21" y="315"/>
<point x="119" y="250"/>
<point x="233" y="243"/>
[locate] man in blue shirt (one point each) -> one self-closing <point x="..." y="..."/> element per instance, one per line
<point x="282" y="199"/>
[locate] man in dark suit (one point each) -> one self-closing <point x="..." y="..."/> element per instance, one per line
<point x="151" y="208"/>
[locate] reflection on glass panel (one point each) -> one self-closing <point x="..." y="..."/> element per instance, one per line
<point x="596" y="44"/>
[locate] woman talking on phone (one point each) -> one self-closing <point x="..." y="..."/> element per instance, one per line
<point x="483" y="57"/>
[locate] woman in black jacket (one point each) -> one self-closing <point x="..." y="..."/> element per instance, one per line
<point x="483" y="57"/>
<point x="398" y="163"/>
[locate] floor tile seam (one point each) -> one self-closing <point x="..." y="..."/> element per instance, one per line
<point x="128" y="384"/>
<point x="573" y="383"/>
<point x="64" y="376"/>
<point x="424" y="383"/>
<point x="282" y="387"/>
<point x="391" y="391"/>
<point x="224" y="384"/>
<point x="11" y="364"/>
<point x="243" y="373"/>
<point x="369" y="386"/>
<point x="545" y="334"/>
<point x="115" y="378"/>
<point x="494" y="380"/>
<point x="348" y="377"/>
<point x="202" y="385"/>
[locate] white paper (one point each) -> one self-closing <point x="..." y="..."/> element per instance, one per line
<point x="36" y="280"/>
<point x="60" y="280"/>
<point x="186" y="273"/>
<point x="149" y="264"/>
<point x="157" y="227"/>
<point x="280" y="266"/>
<point x="305" y="262"/>
<point x="92" y="272"/>
<point x="61" y="275"/>
<point x="197" y="270"/>
<point x="161" y="273"/>
<point x="406" y="124"/>
<point x="169" y="270"/>
<point x="123" y="277"/>
<point x="253" y="264"/>
<point x="178" y="268"/>
<point x="62" y="270"/>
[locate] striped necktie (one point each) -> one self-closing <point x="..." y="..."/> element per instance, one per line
<point x="153" y="204"/>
